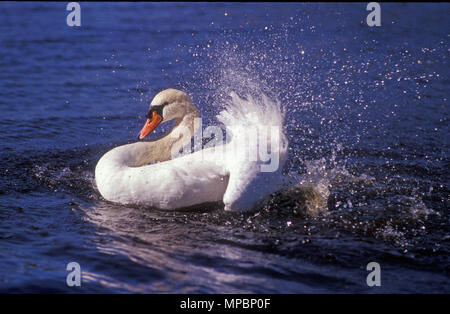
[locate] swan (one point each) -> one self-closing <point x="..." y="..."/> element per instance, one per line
<point x="144" y="172"/>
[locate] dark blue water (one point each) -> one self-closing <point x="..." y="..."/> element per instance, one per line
<point x="367" y="117"/>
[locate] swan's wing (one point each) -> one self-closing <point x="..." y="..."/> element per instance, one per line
<point x="248" y="185"/>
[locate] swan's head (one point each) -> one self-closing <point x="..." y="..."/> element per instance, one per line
<point x="167" y="105"/>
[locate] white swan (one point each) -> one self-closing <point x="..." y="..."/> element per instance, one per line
<point x="143" y="173"/>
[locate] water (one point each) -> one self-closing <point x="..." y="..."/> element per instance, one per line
<point x="367" y="118"/>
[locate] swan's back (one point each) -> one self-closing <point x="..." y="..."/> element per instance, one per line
<point x="181" y="182"/>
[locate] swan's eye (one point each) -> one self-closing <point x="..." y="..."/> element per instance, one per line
<point x="157" y="109"/>
<point x="165" y="103"/>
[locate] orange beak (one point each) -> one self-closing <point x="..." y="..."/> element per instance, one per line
<point x="150" y="125"/>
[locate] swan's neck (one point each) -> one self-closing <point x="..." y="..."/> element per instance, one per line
<point x="160" y="149"/>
